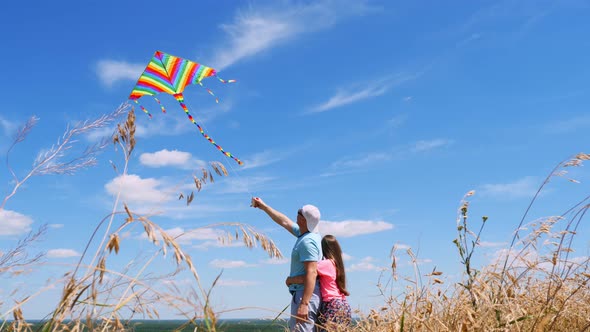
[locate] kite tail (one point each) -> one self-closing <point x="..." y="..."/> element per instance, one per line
<point x="180" y="99"/>
<point x="162" y="107"/>
<point x="142" y="108"/>
<point x="210" y="92"/>
<point x="225" y="81"/>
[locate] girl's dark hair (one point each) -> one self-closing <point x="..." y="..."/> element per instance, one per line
<point x="331" y="250"/>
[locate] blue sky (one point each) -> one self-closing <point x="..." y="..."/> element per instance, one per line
<point x="383" y="114"/>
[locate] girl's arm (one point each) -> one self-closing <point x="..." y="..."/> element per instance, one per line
<point x="295" y="280"/>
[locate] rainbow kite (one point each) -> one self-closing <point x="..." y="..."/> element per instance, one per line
<point x="170" y="74"/>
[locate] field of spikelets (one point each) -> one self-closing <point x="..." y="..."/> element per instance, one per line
<point x="537" y="284"/>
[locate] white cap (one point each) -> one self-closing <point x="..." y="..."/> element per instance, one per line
<point x="312" y="217"/>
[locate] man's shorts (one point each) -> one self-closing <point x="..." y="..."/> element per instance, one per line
<point x="313" y="307"/>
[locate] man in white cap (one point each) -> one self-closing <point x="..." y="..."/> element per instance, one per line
<point x="306" y="253"/>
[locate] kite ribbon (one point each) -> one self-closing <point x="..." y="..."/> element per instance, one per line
<point x="180" y="98"/>
<point x="162" y="107"/>
<point x="143" y="108"/>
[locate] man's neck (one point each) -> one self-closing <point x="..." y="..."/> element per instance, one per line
<point x="303" y="230"/>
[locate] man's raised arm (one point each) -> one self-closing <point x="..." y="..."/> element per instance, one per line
<point x="275" y="215"/>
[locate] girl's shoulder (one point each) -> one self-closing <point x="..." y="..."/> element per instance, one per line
<point x="326" y="264"/>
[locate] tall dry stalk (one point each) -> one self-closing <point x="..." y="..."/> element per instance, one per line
<point x="466" y="242"/>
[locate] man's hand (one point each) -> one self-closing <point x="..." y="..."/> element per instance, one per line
<point x="302" y="312"/>
<point x="257" y="203"/>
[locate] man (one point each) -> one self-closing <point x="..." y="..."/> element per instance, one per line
<point x="306" y="253"/>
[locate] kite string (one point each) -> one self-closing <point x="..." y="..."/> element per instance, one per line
<point x="230" y="164"/>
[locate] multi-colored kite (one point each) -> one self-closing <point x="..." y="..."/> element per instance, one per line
<point x="169" y="74"/>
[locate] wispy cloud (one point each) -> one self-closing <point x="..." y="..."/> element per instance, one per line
<point x="401" y="246"/>
<point x="183" y="236"/>
<point x="366" y="264"/>
<point x="174" y="158"/>
<point x="360" y="162"/>
<point x="530" y="257"/>
<point x="100" y="134"/>
<point x="346" y="257"/>
<point x="229" y="264"/>
<point x="236" y="283"/>
<point x="350" y="228"/>
<point x="175" y="124"/>
<point x="242" y="184"/>
<point x="258" y="29"/>
<point x="62" y="253"/>
<point x="218" y="244"/>
<point x="487" y="244"/>
<point x="7" y="127"/>
<point x="55" y="226"/>
<point x="263" y="159"/>
<point x="348" y="96"/>
<point x="423" y="146"/>
<point x="111" y="71"/>
<point x="569" y="125"/>
<point x="525" y="187"/>
<point x="396" y="121"/>
<point x="275" y="261"/>
<point x="14" y="223"/>
<point x="199" y="238"/>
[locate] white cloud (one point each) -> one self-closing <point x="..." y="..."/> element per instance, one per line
<point x="256" y="30"/>
<point x="14" y="223"/>
<point x="350" y="228"/>
<point x="62" y="253"/>
<point x="525" y="187"/>
<point x="423" y="146"/>
<point x="345" y="97"/>
<point x="366" y="264"/>
<point x="229" y="264"/>
<point x="346" y="257"/>
<point x="111" y="71"/>
<point x="55" y="226"/>
<point x="236" y="283"/>
<point x="134" y="189"/>
<point x="172" y="158"/>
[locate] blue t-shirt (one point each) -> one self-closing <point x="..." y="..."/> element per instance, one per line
<point x="307" y="248"/>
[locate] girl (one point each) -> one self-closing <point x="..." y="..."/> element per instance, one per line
<point x="334" y="309"/>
